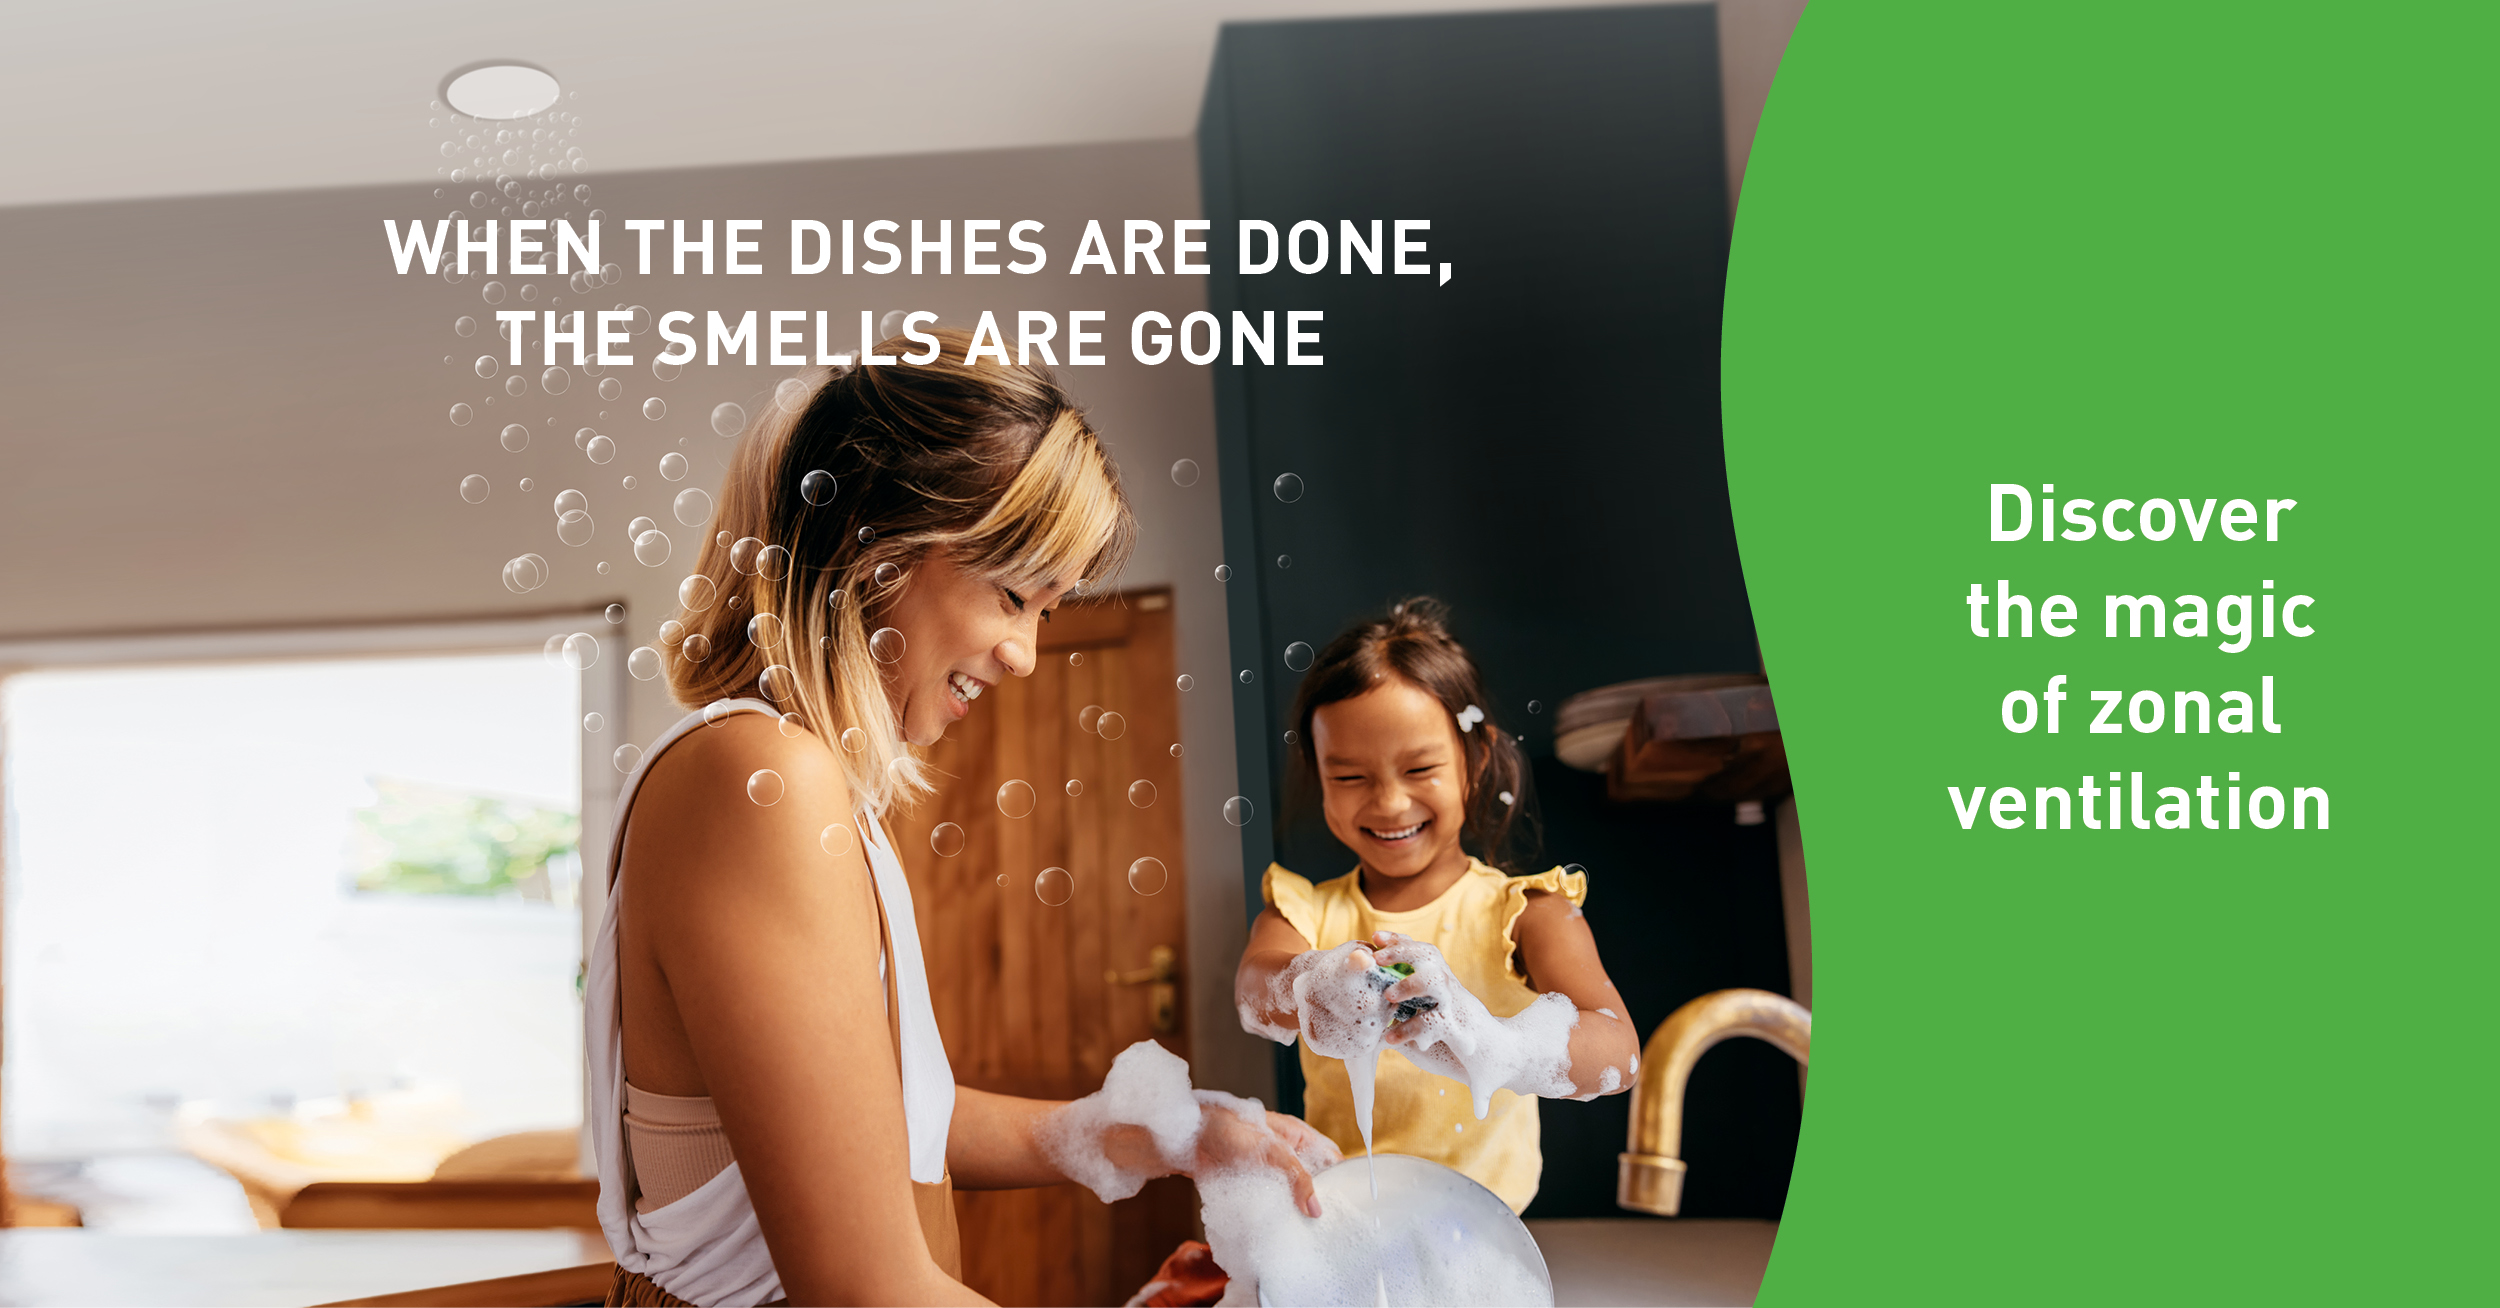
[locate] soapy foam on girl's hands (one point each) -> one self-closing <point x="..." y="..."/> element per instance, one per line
<point x="1526" y="1053"/>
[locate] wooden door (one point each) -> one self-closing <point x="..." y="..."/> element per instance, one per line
<point x="1018" y="982"/>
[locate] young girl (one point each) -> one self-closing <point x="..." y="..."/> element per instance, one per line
<point x="1388" y="722"/>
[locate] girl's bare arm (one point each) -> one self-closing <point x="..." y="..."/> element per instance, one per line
<point x="1557" y="953"/>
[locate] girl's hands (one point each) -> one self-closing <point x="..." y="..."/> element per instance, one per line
<point x="1339" y="1013"/>
<point x="1228" y="1140"/>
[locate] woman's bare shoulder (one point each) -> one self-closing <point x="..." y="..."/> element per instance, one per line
<point x="738" y="796"/>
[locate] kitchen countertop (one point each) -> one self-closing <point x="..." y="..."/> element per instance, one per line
<point x="1700" y="1262"/>
<point x="65" y="1267"/>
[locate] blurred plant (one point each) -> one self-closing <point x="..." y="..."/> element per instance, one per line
<point x="419" y="840"/>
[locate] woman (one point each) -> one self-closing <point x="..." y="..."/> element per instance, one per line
<point x="772" y="1110"/>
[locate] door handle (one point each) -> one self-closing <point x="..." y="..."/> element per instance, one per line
<point x="1163" y="992"/>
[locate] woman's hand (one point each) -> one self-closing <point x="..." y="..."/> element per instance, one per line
<point x="1228" y="1139"/>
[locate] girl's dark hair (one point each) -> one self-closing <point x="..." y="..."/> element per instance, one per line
<point x="1414" y="645"/>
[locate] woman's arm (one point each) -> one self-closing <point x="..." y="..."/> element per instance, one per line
<point x="767" y="951"/>
<point x="993" y="1145"/>
<point x="1557" y="953"/>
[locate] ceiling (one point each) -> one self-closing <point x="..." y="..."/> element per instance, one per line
<point x="124" y="100"/>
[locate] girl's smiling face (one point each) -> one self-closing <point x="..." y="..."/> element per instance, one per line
<point x="961" y="636"/>
<point x="1393" y="778"/>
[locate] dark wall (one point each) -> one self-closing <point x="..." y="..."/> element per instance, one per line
<point x="1535" y="442"/>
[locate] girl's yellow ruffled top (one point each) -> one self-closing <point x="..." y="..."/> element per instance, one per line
<point x="1415" y="1111"/>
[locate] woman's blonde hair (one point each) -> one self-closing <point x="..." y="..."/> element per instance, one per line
<point x="849" y="480"/>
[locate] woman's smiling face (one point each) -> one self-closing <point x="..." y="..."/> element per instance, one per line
<point x="1393" y="781"/>
<point x="961" y="636"/>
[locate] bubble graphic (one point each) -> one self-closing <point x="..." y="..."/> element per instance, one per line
<point x="465" y="325"/>
<point x="1536" y="706"/>
<point x="492" y="291"/>
<point x="486" y="365"/>
<point x="764" y="630"/>
<point x="837" y="840"/>
<point x="673" y="466"/>
<point x="1016" y="798"/>
<point x="525" y="574"/>
<point x="1176" y="751"/>
<point x="603" y="567"/>
<point x="555" y="381"/>
<point x="515" y="386"/>
<point x="1185" y="473"/>
<point x="696" y="593"/>
<point x="1247" y="676"/>
<point x="473" y="488"/>
<point x="1293" y="737"/>
<point x="672" y="631"/>
<point x="947" y="839"/>
<point x="1223" y="572"/>
<point x="867" y="534"/>
<point x="764" y="787"/>
<point x="666" y="371"/>
<point x="817" y="488"/>
<point x="655" y="408"/>
<point x="695" y="648"/>
<point x="581" y="438"/>
<point x="581" y="651"/>
<point x="569" y="501"/>
<point x="791" y="395"/>
<point x="516" y="438"/>
<point x="717" y="712"/>
<point x="1141" y="794"/>
<point x="1074" y="788"/>
<point x="528" y="292"/>
<point x="772" y="563"/>
<point x="462" y="415"/>
<point x="1298" y="655"/>
<point x="1055" y="886"/>
<point x="854" y="740"/>
<point x="1284" y="560"/>
<point x="1002" y="881"/>
<point x="1289" y="488"/>
<point x="1237" y="811"/>
<point x="1185" y="681"/>
<point x="553" y="650"/>
<point x="643" y="662"/>
<point x="600" y="449"/>
<point x="594" y="723"/>
<point x="728" y="420"/>
<point x="885" y="644"/>
<point x="742" y="555"/>
<point x="1148" y="876"/>
<point x="527" y="484"/>
<point x="625" y="757"/>
<point x="575" y="528"/>
<point x="722" y="540"/>
<point x="610" y="388"/>
<point x="887" y="574"/>
<point x="1111" y="726"/>
<point x="891" y="324"/>
<point x="1087" y="716"/>
<point x="692" y="507"/>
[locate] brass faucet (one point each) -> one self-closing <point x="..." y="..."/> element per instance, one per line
<point x="1651" y="1178"/>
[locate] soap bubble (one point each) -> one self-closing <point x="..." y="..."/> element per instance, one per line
<point x="570" y="501"/>
<point x="528" y="291"/>
<point x="473" y="488"/>
<point x="465" y="325"/>
<point x="836" y="840"/>
<point x="603" y="567"/>
<point x="1185" y="681"/>
<point x="817" y="488"/>
<point x="1298" y="655"/>
<point x="696" y="593"/>
<point x="854" y="740"/>
<point x="887" y="574"/>
<point x="625" y="757"/>
<point x="1054" y="886"/>
<point x="722" y="540"/>
<point x="1148" y="876"/>
<point x="581" y="651"/>
<point x="555" y="381"/>
<point x="728" y="420"/>
<point x="1223" y="572"/>
<point x="672" y="631"/>
<point x="891" y="324"/>
<point x="610" y="388"/>
<point x="692" y="507"/>
<point x="764" y="787"/>
<point x="778" y="683"/>
<point x="1141" y="794"/>
<point x="1176" y="751"/>
<point x="486" y="365"/>
<point x="742" y="555"/>
<point x="575" y="528"/>
<point x="695" y="648"/>
<point x="1075" y="788"/>
<point x="1574" y="869"/>
<point x="594" y="723"/>
<point x="613" y="272"/>
<point x="1247" y="676"/>
<point x="1087" y="716"/>
<point x="516" y="438"/>
<point x="764" y="629"/>
<point x="1289" y="488"/>
<point x="1284" y="560"/>
<point x="867" y="534"/>
<point x="1185" y="473"/>
<point x="1295" y="738"/>
<point x="947" y="839"/>
<point x="644" y="663"/>
<point x="615" y="614"/>
<point x="493" y="291"/>
<point x="772" y="563"/>
<point x="1237" y="811"/>
<point x="885" y="644"/>
<point x="553" y="650"/>
<point x="673" y="466"/>
<point x="515" y="386"/>
<point x="652" y="548"/>
<point x="717" y="712"/>
<point x="635" y="529"/>
<point x="666" y="371"/>
<point x="1002" y="881"/>
<point x="1111" y="726"/>
<point x="462" y="415"/>
<point x="600" y="449"/>
<point x="1015" y="799"/>
<point x="640" y="321"/>
<point x="655" y="408"/>
<point x="1077" y="660"/>
<point x="791" y="395"/>
<point x="525" y="574"/>
<point x="581" y="437"/>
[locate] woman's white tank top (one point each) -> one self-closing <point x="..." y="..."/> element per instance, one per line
<point x="706" y="1247"/>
